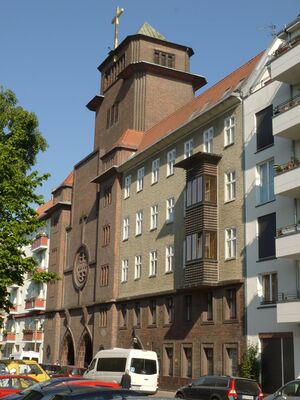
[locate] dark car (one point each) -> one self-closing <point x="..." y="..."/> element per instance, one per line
<point x="100" y="394"/>
<point x="290" y="390"/>
<point x="55" y="371"/>
<point x="212" y="387"/>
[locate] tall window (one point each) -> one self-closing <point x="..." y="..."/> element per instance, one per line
<point x="194" y="246"/>
<point x="171" y="158"/>
<point x="124" y="272"/>
<point x="208" y="360"/>
<point x="153" y="263"/>
<point x="194" y="191"/>
<point x="169" y="310"/>
<point x="187" y="361"/>
<point x="155" y="171"/>
<point x="107" y="195"/>
<point x="137" y="314"/>
<point x="140" y="179"/>
<point x="123" y="315"/>
<point x="230" y="243"/>
<point x="270" y="288"/>
<point x="230" y="186"/>
<point x="138" y="223"/>
<point x="264" y="129"/>
<point x="137" y="267"/>
<point x="188" y="148"/>
<point x="169" y="258"/>
<point x="168" y="360"/>
<point x="103" y="318"/>
<point x="152" y="312"/>
<point x="188" y="307"/>
<point x="106" y="235"/>
<point x="229" y="130"/>
<point x="104" y="270"/>
<point x="127" y="186"/>
<point x="231" y="311"/>
<point x="154" y="216"/>
<point x="210" y="245"/>
<point x="231" y="360"/>
<point x="126" y="228"/>
<point x="266" y="236"/>
<point x="210" y="188"/>
<point x="265" y="181"/>
<point x="170" y="209"/>
<point x="208" y="140"/>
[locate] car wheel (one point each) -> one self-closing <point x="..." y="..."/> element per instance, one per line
<point x="179" y="395"/>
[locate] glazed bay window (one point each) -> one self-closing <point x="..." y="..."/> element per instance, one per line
<point x="140" y="179"/>
<point x="170" y="205"/>
<point x="137" y="267"/>
<point x="138" y="223"/>
<point x="230" y="243"/>
<point x="194" y="246"/>
<point x="229" y="130"/>
<point x="208" y="136"/>
<point x="194" y="191"/>
<point x="153" y="217"/>
<point x="188" y="148"/>
<point x="265" y="182"/>
<point x="210" y="188"/>
<point x="153" y="263"/>
<point x="230" y="186"/>
<point x="155" y="171"/>
<point x="270" y="288"/>
<point x="124" y="271"/>
<point x="171" y="158"/>
<point x="169" y="258"/>
<point x="210" y="245"/>
<point x="127" y="186"/>
<point x="126" y="228"/>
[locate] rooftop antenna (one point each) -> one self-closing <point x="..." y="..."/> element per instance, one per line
<point x="115" y="21"/>
<point x="272" y="28"/>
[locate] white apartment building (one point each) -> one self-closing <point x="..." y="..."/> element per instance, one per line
<point x="272" y="213"/>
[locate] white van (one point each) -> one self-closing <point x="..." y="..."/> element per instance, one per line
<point x="110" y="365"/>
<point x="25" y="355"/>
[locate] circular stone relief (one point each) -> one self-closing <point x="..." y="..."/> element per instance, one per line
<point x="80" y="271"/>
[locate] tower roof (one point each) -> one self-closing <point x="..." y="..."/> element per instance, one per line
<point x="147" y="30"/>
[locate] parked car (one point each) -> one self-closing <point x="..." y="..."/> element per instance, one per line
<point x="91" y="382"/>
<point x="213" y="387"/>
<point x="25" y="367"/>
<point x="55" y="371"/>
<point x="290" y="390"/>
<point x="10" y="384"/>
<point x="100" y="394"/>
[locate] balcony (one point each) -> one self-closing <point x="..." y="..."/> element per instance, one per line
<point x="286" y="119"/>
<point x="287" y="179"/>
<point x="40" y="243"/>
<point x="201" y="273"/>
<point x="287" y="242"/>
<point x="31" y="335"/>
<point x="288" y="307"/>
<point x="13" y="309"/>
<point x="35" y="303"/>
<point x="9" y="337"/>
<point x="285" y="66"/>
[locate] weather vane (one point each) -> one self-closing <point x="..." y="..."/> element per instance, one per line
<point x="115" y="21"/>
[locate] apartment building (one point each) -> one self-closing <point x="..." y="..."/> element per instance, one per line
<point x="23" y="327"/>
<point x="272" y="146"/>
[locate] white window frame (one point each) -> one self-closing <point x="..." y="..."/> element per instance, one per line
<point x="188" y="148"/>
<point x="170" y="209"/>
<point x="153" y="263"/>
<point x="154" y="216"/>
<point x="169" y="258"/>
<point x="171" y="158"/>
<point x="127" y="186"/>
<point x="229" y="130"/>
<point x="126" y="224"/>
<point x="267" y="186"/>
<point x="268" y="276"/>
<point x="137" y="267"/>
<point x="140" y="179"/>
<point x="138" y="223"/>
<point x="194" y="191"/>
<point x="230" y="185"/>
<point x="155" y="171"/>
<point x="124" y="271"/>
<point x="230" y="243"/>
<point x="194" y="246"/>
<point x="208" y="136"/>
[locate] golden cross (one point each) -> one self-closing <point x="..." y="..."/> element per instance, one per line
<point x="115" y="21"/>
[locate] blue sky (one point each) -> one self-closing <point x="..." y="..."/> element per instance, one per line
<point x="50" y="51"/>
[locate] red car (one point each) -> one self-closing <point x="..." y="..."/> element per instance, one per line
<point x="90" y="382"/>
<point x="10" y="384"/>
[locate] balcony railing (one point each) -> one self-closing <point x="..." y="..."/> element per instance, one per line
<point x="286" y="105"/>
<point x="288" y="230"/>
<point x="9" y="336"/>
<point x="40" y="242"/>
<point x="289" y="296"/>
<point x="13" y="309"/>
<point x="31" y="335"/>
<point x="34" y="302"/>
<point x="286" y="47"/>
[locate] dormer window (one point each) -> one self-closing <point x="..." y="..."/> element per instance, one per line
<point x="165" y="59"/>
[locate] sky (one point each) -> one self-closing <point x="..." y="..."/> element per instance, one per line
<point x="50" y="51"/>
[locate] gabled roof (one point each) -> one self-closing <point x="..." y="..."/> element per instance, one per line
<point x="204" y="101"/>
<point x="69" y="179"/>
<point x="147" y="30"/>
<point x="130" y="139"/>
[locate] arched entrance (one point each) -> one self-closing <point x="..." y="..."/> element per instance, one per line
<point x="85" y="352"/>
<point x="67" y="356"/>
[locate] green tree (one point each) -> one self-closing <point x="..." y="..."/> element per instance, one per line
<point x="20" y="142"/>
<point x="249" y="367"/>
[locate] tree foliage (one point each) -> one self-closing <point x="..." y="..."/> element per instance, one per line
<point x="20" y="142"/>
<point x="249" y="367"/>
